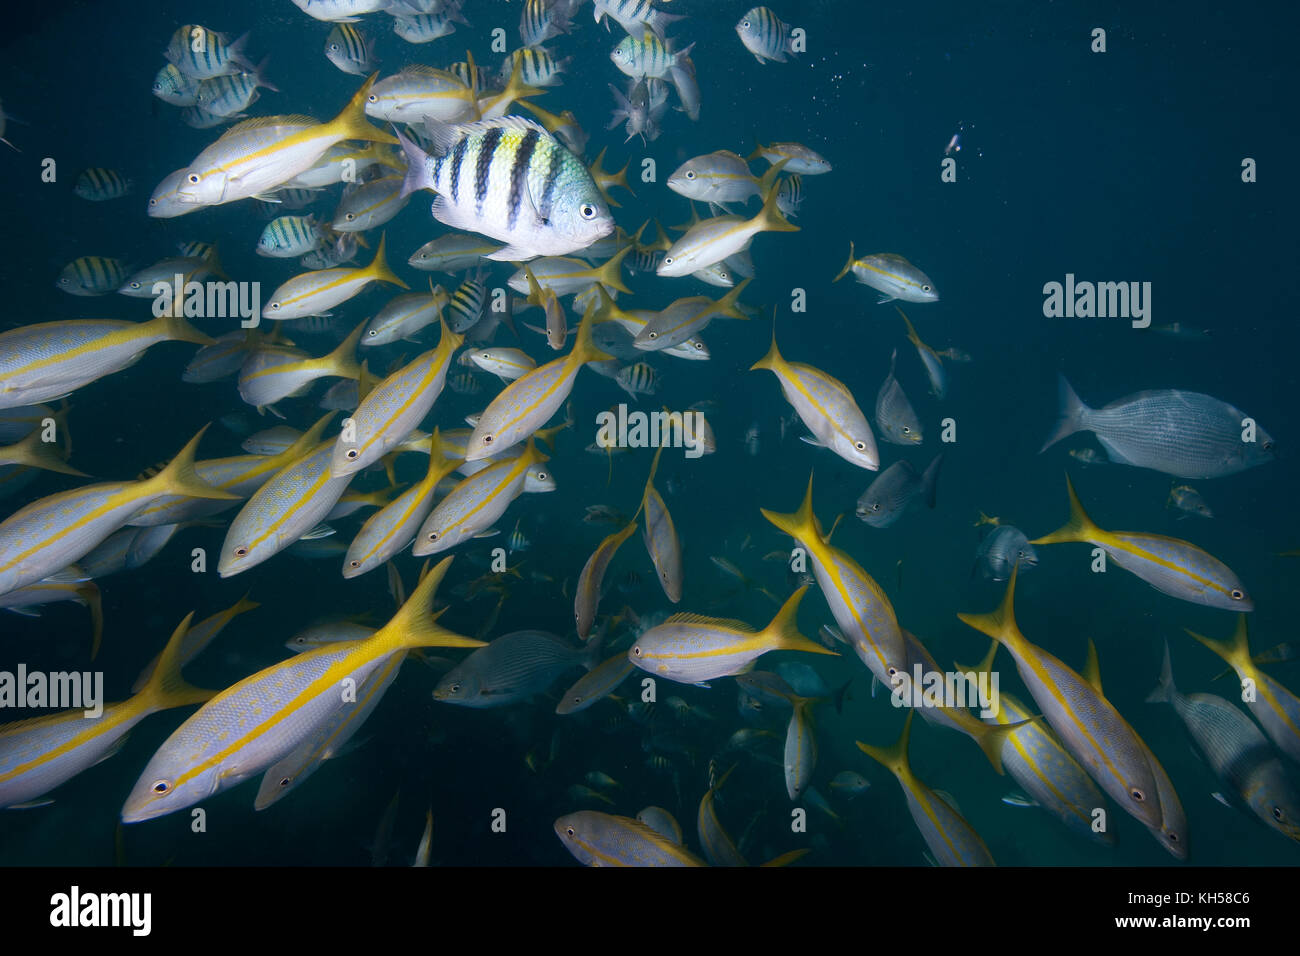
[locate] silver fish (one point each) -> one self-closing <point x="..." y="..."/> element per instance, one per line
<point x="1184" y="434"/>
<point x="895" y="490"/>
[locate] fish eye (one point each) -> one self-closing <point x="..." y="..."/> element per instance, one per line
<point x="334" y="46"/>
<point x="161" y="786"/>
<point x="668" y="260"/>
<point x="893" y="672"/>
<point x="907" y="429"/>
<point x="1173" y="837"/>
<point x="354" y="564"/>
<point x="587" y="211"/>
<point x="1138" y="795"/>
<point x="192" y="179"/>
<point x="274" y="306"/>
<point x="455" y="688"/>
<point x="699" y="346"/>
<point x="1237" y="594"/>
<point x="349" y="216"/>
<point x="860" y="445"/>
<point x="1278" y="814"/>
<point x="241" y="552"/>
<point x="352" y="454"/>
<point x="745" y="24"/>
<point x="541" y="476"/>
<point x="373" y="332"/>
<point x="569" y="830"/>
<point x="285" y="781"/>
<point x="153" y="202"/>
<point x="690" y="174"/>
<point x="487" y="439"/>
<point x="925" y="288"/>
<point x="637" y="650"/>
<point x="372" y="98"/>
<point x="135" y="285"/>
<point x="433" y="536"/>
<point x="653" y="335"/>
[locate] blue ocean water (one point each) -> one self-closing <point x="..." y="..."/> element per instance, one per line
<point x="1115" y="166"/>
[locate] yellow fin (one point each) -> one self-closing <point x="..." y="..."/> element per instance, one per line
<point x="1079" y="528"/>
<point x="1001" y="623"/>
<point x="848" y="265"/>
<point x="165" y="687"/>
<point x="351" y="123"/>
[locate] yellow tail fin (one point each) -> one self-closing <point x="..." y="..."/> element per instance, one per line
<point x="769" y="218"/>
<point x="378" y="268"/>
<point x="1079" y="528"/>
<point x="848" y="265"/>
<point x="609" y="275"/>
<point x="414" y="624"/>
<point x="1001" y="623"/>
<point x="176" y="329"/>
<point x="35" y="453"/>
<point x="784" y="629"/>
<point x="165" y="687"/>
<point x="1235" y="650"/>
<point x="772" y="360"/>
<point x="894" y="759"/>
<point x="352" y="122"/>
<point x="802" y="525"/>
<point x="728" y="304"/>
<point x="180" y="478"/>
<point x="584" y="350"/>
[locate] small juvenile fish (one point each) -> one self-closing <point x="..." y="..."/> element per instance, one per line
<point x="765" y="35"/>
<point x="289" y="237"/>
<point x="91" y="275"/>
<point x="98" y="185"/>
<point x="348" y="49"/>
<point x="895" y="416"/>
<point x="1187" y="499"/>
<point x="929" y="358"/>
<point x="796" y="158"/>
<point x="1003" y="548"/>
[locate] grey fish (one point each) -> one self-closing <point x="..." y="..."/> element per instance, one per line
<point x="1003" y="548"/>
<point x="1184" y="434"/>
<point x="895" y="490"/>
<point x="895" y="416"/>
<point x="511" y="669"/>
<point x="1237" y="752"/>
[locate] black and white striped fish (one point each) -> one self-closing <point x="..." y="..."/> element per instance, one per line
<point x="466" y="305"/>
<point x="348" y="49"/>
<point x="203" y="53"/>
<point x="638" y="379"/>
<point x="97" y="184"/>
<point x="764" y="35"/>
<point x="91" y="275"/>
<point x="509" y="179"/>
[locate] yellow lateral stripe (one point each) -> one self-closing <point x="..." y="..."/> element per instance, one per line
<point x="305" y="136"/>
<point x="109" y="504"/>
<point x="423" y="383"/>
<point x="314" y="689"/>
<point x="116" y="337"/>
<point x="1041" y="673"/>
<point x="113" y="716"/>
<point x="794" y="367"/>
<point x="335" y="282"/>
<point x="293" y="509"/>
<point x="1112" y="539"/>
<point x="482" y="503"/>
<point x="546" y="393"/>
